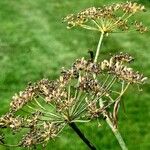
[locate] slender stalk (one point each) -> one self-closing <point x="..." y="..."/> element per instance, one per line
<point x="9" y="145"/>
<point x="117" y="134"/>
<point x="98" y="47"/>
<point x="114" y="130"/>
<point x="89" y="28"/>
<point x="82" y="136"/>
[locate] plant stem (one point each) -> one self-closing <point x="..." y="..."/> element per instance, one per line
<point x="114" y="130"/>
<point x="109" y="122"/>
<point x="98" y="47"/>
<point x="117" y="134"/>
<point x="81" y="135"/>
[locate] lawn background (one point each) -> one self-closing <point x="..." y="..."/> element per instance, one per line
<point x="34" y="43"/>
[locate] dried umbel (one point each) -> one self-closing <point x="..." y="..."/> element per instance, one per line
<point x="106" y="19"/>
<point x="116" y="67"/>
<point x="74" y="97"/>
<point x="39" y="130"/>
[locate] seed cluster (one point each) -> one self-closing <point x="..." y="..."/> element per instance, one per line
<point x="108" y="18"/>
<point x="40" y="135"/>
<point x="9" y="120"/>
<point x="115" y="66"/>
<point x="94" y="111"/>
<point x="18" y="100"/>
<point x="51" y="90"/>
<point x="140" y="27"/>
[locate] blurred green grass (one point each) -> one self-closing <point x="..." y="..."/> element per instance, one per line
<point x="35" y="44"/>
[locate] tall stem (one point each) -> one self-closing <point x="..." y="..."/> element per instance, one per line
<point x="81" y="135"/>
<point x="109" y="122"/>
<point x="117" y="134"/>
<point x="98" y="47"/>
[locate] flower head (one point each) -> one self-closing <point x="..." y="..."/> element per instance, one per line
<point x="107" y="19"/>
<point x="74" y="97"/>
<point x="11" y="121"/>
<point x="116" y="67"/>
<point x="19" y="100"/>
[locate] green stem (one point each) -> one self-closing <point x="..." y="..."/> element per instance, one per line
<point x="114" y="130"/>
<point x="117" y="134"/>
<point x="98" y="47"/>
<point x="109" y="122"/>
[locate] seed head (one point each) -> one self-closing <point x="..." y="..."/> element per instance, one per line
<point x="115" y="66"/>
<point x="40" y="135"/>
<point x="107" y="19"/>
<point x="19" y="100"/>
<point x="9" y="120"/>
